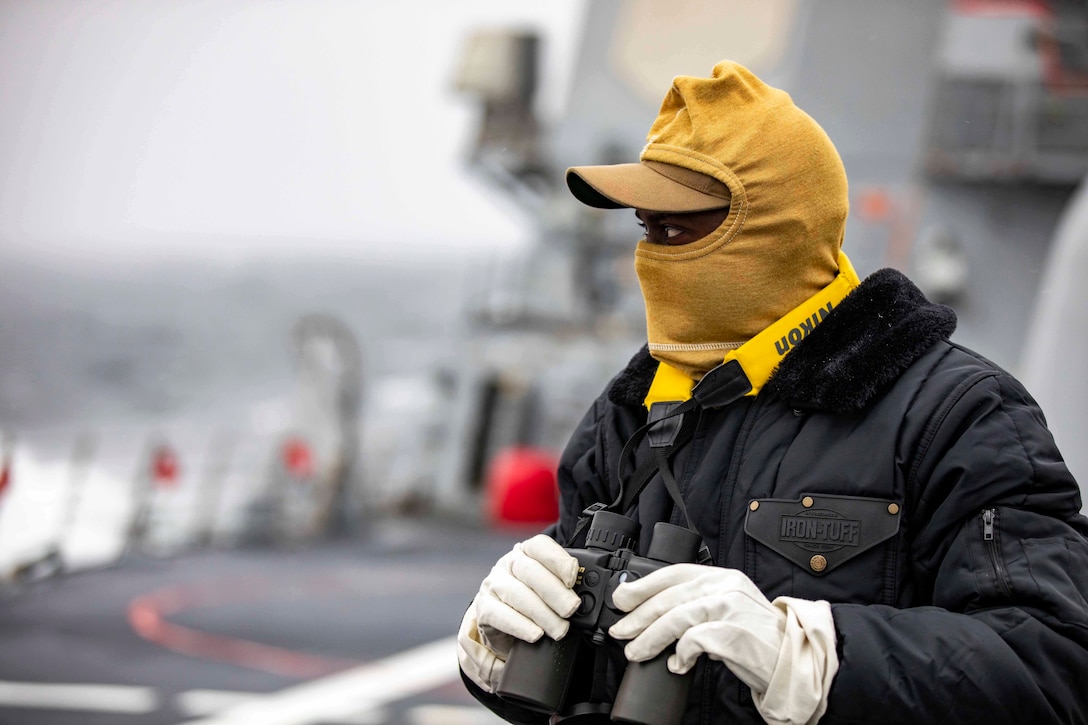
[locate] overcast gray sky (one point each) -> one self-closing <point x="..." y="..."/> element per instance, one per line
<point x="230" y="128"/>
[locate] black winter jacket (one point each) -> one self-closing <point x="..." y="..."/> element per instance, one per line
<point x="903" y="478"/>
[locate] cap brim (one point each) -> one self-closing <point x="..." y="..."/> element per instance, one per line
<point x="636" y="186"/>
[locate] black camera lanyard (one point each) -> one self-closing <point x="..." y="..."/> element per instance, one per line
<point x="668" y="428"/>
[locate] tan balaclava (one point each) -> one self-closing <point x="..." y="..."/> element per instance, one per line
<point x="786" y="190"/>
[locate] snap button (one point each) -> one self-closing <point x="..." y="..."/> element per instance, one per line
<point x="818" y="563"/>
<point x="807" y="502"/>
<point x="893" y="508"/>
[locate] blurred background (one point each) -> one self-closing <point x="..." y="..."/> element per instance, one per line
<point x="295" y="288"/>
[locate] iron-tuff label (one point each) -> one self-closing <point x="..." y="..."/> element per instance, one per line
<point x="820" y="532"/>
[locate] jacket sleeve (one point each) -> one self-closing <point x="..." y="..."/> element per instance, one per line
<point x="999" y="553"/>
<point x="580" y="484"/>
<point x="583" y="474"/>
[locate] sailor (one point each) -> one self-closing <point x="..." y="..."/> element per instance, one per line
<point x="891" y="534"/>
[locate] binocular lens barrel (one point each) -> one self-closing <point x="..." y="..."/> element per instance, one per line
<point x="612" y="532"/>
<point x="537" y="674"/>
<point x="650" y="694"/>
<point x="674" y="544"/>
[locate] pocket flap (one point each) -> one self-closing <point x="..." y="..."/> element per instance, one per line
<point x="819" y="532"/>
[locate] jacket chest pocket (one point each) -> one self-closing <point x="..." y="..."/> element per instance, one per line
<point x="839" y="548"/>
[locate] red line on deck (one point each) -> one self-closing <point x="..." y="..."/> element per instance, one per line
<point x="147" y="615"/>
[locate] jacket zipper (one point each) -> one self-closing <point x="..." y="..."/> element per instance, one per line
<point x="989" y="535"/>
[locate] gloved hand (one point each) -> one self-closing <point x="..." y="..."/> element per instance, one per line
<point x="783" y="650"/>
<point x="527" y="594"/>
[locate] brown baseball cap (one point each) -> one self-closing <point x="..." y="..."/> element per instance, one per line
<point x="649" y="185"/>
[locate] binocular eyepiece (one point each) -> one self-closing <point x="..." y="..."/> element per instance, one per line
<point x="538" y="675"/>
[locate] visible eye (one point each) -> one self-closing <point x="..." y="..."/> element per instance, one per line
<point x="671" y="232"/>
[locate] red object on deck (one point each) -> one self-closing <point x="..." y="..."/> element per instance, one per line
<point x="298" y="458"/>
<point x="5" y="475"/>
<point x="522" y="488"/>
<point x="165" y="468"/>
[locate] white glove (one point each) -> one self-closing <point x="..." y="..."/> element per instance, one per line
<point x="784" y="651"/>
<point x="527" y="594"/>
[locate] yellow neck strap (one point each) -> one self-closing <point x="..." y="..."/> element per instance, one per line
<point x="761" y="355"/>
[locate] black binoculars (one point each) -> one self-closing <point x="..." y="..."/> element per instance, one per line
<point x="538" y="675"/>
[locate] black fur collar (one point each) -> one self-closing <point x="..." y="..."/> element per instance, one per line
<point x="872" y="336"/>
